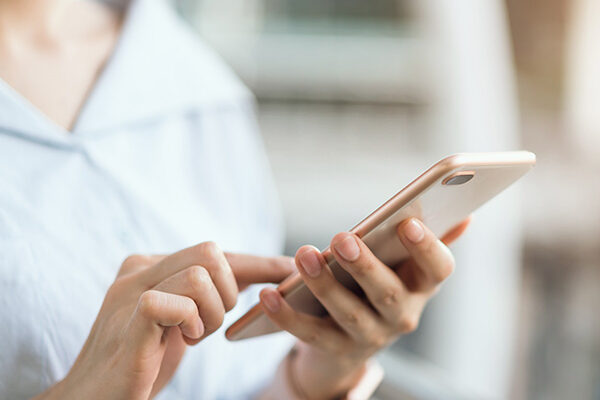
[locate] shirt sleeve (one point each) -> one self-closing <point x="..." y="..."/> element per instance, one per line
<point x="284" y="387"/>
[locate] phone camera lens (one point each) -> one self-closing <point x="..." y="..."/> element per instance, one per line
<point x="458" y="178"/>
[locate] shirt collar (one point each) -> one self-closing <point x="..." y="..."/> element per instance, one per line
<point x="18" y="117"/>
<point x="158" y="67"/>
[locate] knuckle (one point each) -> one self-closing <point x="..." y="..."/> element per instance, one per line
<point x="210" y="250"/>
<point x="197" y="277"/>
<point x="149" y="303"/>
<point x="190" y="307"/>
<point x="377" y="341"/>
<point x="390" y="297"/>
<point x="353" y="318"/>
<point x="135" y="260"/>
<point x="408" y="323"/>
<point x="311" y="337"/>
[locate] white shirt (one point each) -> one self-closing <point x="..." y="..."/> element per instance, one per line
<point x="164" y="154"/>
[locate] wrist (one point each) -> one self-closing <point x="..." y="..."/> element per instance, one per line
<point x="78" y="384"/>
<point x="321" y="375"/>
<point x="55" y="392"/>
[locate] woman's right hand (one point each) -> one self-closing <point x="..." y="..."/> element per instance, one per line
<point x="155" y="308"/>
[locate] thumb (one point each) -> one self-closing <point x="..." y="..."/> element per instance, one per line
<point x="249" y="269"/>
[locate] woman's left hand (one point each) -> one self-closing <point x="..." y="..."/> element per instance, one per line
<point x="336" y="348"/>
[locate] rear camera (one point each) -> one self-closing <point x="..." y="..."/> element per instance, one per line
<point x="458" y="178"/>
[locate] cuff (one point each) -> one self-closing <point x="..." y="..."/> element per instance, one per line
<point x="368" y="382"/>
<point x="284" y="385"/>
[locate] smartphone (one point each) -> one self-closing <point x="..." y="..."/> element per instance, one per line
<point x="441" y="197"/>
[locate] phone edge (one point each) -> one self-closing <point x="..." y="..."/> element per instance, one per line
<point x="416" y="186"/>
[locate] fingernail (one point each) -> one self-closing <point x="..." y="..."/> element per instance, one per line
<point x="271" y="301"/>
<point x="348" y="248"/>
<point x="413" y="230"/>
<point x="310" y="263"/>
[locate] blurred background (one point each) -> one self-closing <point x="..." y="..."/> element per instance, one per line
<point x="355" y="98"/>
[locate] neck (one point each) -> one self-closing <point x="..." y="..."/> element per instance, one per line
<point x="36" y="19"/>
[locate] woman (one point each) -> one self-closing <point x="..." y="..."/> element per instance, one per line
<point x="121" y="134"/>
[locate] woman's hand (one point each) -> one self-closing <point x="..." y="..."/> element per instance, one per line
<point x="156" y="306"/>
<point x="337" y="347"/>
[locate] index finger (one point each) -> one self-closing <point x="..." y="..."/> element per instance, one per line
<point x="249" y="269"/>
<point x="207" y="255"/>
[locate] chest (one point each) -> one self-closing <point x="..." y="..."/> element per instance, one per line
<point x="68" y="219"/>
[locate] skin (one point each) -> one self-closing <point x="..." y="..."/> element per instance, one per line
<point x="334" y="350"/>
<point x="158" y="305"/>
<point x="156" y="308"/>
<point x="51" y="53"/>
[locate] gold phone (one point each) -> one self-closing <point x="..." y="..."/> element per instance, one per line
<point x="441" y="197"/>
